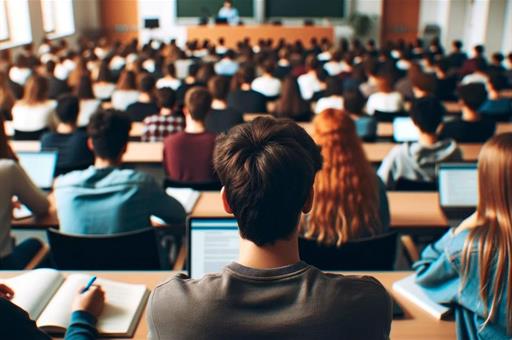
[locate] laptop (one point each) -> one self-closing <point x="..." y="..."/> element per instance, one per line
<point x="404" y="130"/>
<point x="39" y="166"/>
<point x="458" y="189"/>
<point x="213" y="243"/>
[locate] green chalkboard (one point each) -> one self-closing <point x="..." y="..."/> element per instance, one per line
<point x="210" y="8"/>
<point x="304" y="8"/>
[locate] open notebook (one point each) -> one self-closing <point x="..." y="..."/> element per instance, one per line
<point x="47" y="296"/>
<point x="187" y="197"/>
<point x="408" y="288"/>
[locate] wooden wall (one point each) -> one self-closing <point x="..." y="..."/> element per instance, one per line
<point x="119" y="19"/>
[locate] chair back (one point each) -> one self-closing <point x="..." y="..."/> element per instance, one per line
<point x="404" y="184"/>
<point x="368" y="254"/>
<point x="198" y="186"/>
<point x="382" y="116"/>
<point x="136" y="250"/>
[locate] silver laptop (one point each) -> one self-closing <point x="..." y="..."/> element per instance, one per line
<point x="404" y="130"/>
<point x="213" y="243"/>
<point x="39" y="166"/>
<point x="458" y="189"/>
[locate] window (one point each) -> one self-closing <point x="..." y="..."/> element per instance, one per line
<point x="4" y="21"/>
<point x="48" y="8"/>
<point x="58" y="20"/>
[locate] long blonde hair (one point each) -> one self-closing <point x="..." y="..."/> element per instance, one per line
<point x="346" y="202"/>
<point x="493" y="234"/>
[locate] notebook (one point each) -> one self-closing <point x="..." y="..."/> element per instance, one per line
<point x="213" y="244"/>
<point x="187" y="197"/>
<point x="404" y="130"/>
<point x="408" y="289"/>
<point x="458" y="189"/>
<point x="39" y="166"/>
<point x="47" y="296"/>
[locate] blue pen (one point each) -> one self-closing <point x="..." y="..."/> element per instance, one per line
<point x="89" y="284"/>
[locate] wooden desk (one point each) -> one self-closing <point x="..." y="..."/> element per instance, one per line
<point x="235" y="34"/>
<point x="416" y="325"/>
<point x="385" y="129"/>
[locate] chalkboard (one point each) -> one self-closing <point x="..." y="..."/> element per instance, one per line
<point x="210" y="8"/>
<point x="304" y="8"/>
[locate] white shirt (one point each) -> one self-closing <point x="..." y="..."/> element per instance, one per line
<point x="28" y="118"/>
<point x="230" y="14"/>
<point x="309" y="84"/>
<point x="474" y="78"/>
<point x="226" y="67"/>
<point x="267" y="86"/>
<point x="117" y="63"/>
<point x="122" y="98"/>
<point x="103" y="90"/>
<point x="333" y="68"/>
<point x="87" y="108"/>
<point x="19" y="75"/>
<point x="182" y="66"/>
<point x="332" y="102"/>
<point x="61" y="72"/>
<point x="168" y="82"/>
<point x="384" y="102"/>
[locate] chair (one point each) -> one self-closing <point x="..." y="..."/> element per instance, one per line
<point x="404" y="184"/>
<point x="136" y="250"/>
<point x="368" y="254"/>
<point x="382" y="116"/>
<point x="199" y="186"/>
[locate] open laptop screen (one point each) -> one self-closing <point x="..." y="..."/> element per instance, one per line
<point x="39" y="166"/>
<point x="213" y="244"/>
<point x="458" y="185"/>
<point x="404" y="130"/>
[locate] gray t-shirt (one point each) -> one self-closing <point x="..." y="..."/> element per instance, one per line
<point x="293" y="302"/>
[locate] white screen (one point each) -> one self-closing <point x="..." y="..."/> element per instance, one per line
<point x="39" y="166"/>
<point x="214" y="244"/>
<point x="404" y="130"/>
<point x="458" y="186"/>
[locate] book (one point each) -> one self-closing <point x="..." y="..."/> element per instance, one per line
<point x="411" y="291"/>
<point x="47" y="296"/>
<point x="186" y="196"/>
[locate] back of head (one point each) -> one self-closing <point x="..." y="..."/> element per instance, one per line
<point x="472" y="95"/>
<point x="104" y="74"/>
<point x="127" y="81"/>
<point x="198" y="102"/>
<point x="245" y="75"/>
<point x="269" y="66"/>
<point x="219" y="87"/>
<point x="354" y="102"/>
<point x="384" y="83"/>
<point x="427" y="114"/>
<point x="290" y="102"/>
<point x="36" y="90"/>
<point x="146" y="83"/>
<point x="109" y="131"/>
<point x="84" y="88"/>
<point x="68" y="107"/>
<point x="193" y="69"/>
<point x="334" y="86"/>
<point x="457" y="44"/>
<point x="170" y="70"/>
<point x="425" y="82"/>
<point x="267" y="167"/>
<point x="166" y="98"/>
<point x="50" y="67"/>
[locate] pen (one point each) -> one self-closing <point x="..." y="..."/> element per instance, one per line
<point x="89" y="284"/>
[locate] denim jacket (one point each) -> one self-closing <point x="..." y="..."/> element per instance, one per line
<point x="440" y="274"/>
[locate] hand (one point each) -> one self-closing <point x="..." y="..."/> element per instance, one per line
<point x="92" y="301"/>
<point x="6" y="292"/>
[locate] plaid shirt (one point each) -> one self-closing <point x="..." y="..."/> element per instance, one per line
<point x="157" y="127"/>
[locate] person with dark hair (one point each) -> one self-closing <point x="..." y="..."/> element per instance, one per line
<point x="227" y="66"/>
<point x="88" y="102"/>
<point x="479" y="74"/>
<point x="333" y="95"/>
<point x="471" y="128"/>
<point x="104" y="85"/>
<point x="457" y="57"/>
<point x="145" y="106"/>
<point x="416" y="161"/>
<point x="291" y="103"/>
<point x="267" y="84"/>
<point x="496" y="64"/>
<point x="126" y="92"/>
<point x="56" y="86"/>
<point x="221" y="118"/>
<point x="189" y="82"/>
<point x="188" y="155"/>
<point x="423" y="84"/>
<point x="268" y="168"/>
<point x="166" y="122"/>
<point x="366" y="126"/>
<point x="311" y="82"/>
<point x="170" y="80"/>
<point x="242" y="97"/>
<point x="497" y="108"/>
<point x="446" y="82"/>
<point x="470" y="65"/>
<point x="70" y="142"/>
<point x="106" y="199"/>
<point x="386" y="99"/>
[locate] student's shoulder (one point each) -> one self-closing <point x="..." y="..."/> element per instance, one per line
<point x="180" y="287"/>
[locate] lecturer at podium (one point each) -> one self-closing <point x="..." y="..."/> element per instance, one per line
<point x="229" y="13"/>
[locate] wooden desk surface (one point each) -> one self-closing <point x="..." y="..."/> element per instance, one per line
<point x="416" y="325"/>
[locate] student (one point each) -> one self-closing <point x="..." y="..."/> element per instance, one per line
<point x="471" y="128"/>
<point x="470" y="65"/>
<point x="70" y="142"/>
<point x="21" y="71"/>
<point x="229" y="13"/>
<point x="267" y="84"/>
<point x="457" y="57"/>
<point x="385" y="99"/>
<point x="310" y="82"/>
<point x="188" y="154"/>
<point x="221" y="117"/>
<point x="268" y="170"/>
<point x="106" y="199"/>
<point x="104" y="85"/>
<point x="496" y="107"/>
<point x="242" y="97"/>
<point x="417" y="161"/>
<point x="333" y="96"/>
<point x="56" y="86"/>
<point x="159" y="126"/>
<point x="291" y="104"/>
<point x="227" y="66"/>
<point x="366" y="126"/>
<point x="33" y="113"/>
<point x="126" y="91"/>
<point x="446" y="82"/>
<point x="189" y="82"/>
<point x="350" y="199"/>
<point x="88" y="102"/>
<point x="479" y="75"/>
<point x="470" y="267"/>
<point x="16" y="183"/>
<point x="145" y="105"/>
<point x="87" y="307"/>
<point x="170" y="79"/>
